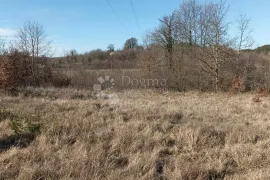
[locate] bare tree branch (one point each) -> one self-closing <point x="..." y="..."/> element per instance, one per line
<point x="31" y="38"/>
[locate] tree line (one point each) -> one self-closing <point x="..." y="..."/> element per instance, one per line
<point x="191" y="48"/>
<point x="202" y="30"/>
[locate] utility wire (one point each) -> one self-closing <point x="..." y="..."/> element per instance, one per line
<point x="117" y="16"/>
<point x="135" y="15"/>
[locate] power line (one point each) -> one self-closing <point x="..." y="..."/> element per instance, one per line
<point x="117" y="16"/>
<point x="135" y="15"/>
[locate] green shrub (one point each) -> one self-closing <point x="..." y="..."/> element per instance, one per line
<point x="19" y="124"/>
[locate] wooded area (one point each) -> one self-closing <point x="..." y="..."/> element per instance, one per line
<point x="191" y="49"/>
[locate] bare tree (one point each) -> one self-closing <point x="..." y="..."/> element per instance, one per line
<point x="244" y="40"/>
<point x="189" y="16"/>
<point x="204" y="29"/>
<point x="31" y="38"/>
<point x="166" y="36"/>
<point x="216" y="46"/>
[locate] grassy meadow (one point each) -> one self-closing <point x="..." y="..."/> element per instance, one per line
<point x="145" y="135"/>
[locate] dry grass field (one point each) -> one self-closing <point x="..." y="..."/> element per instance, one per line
<point x="146" y="135"/>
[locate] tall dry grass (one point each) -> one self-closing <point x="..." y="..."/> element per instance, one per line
<point x="147" y="135"/>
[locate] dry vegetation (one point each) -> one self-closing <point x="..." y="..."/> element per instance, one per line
<point x="147" y="135"/>
<point x="191" y="133"/>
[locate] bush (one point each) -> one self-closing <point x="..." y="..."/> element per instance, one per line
<point x="20" y="125"/>
<point x="15" y="70"/>
<point x="60" y="80"/>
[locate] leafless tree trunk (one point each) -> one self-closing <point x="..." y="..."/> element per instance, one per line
<point x="168" y="39"/>
<point x="204" y="29"/>
<point x="244" y="39"/>
<point x="165" y="35"/>
<point x="189" y="13"/>
<point x="216" y="40"/>
<point x="31" y="38"/>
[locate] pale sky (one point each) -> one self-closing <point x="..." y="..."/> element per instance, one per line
<point x="90" y="24"/>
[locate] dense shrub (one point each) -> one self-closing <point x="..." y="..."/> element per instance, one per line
<point x="15" y="70"/>
<point x="60" y="80"/>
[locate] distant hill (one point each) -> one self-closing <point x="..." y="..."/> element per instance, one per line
<point x="263" y="49"/>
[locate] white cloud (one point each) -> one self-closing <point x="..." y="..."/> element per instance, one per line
<point x="7" y="32"/>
